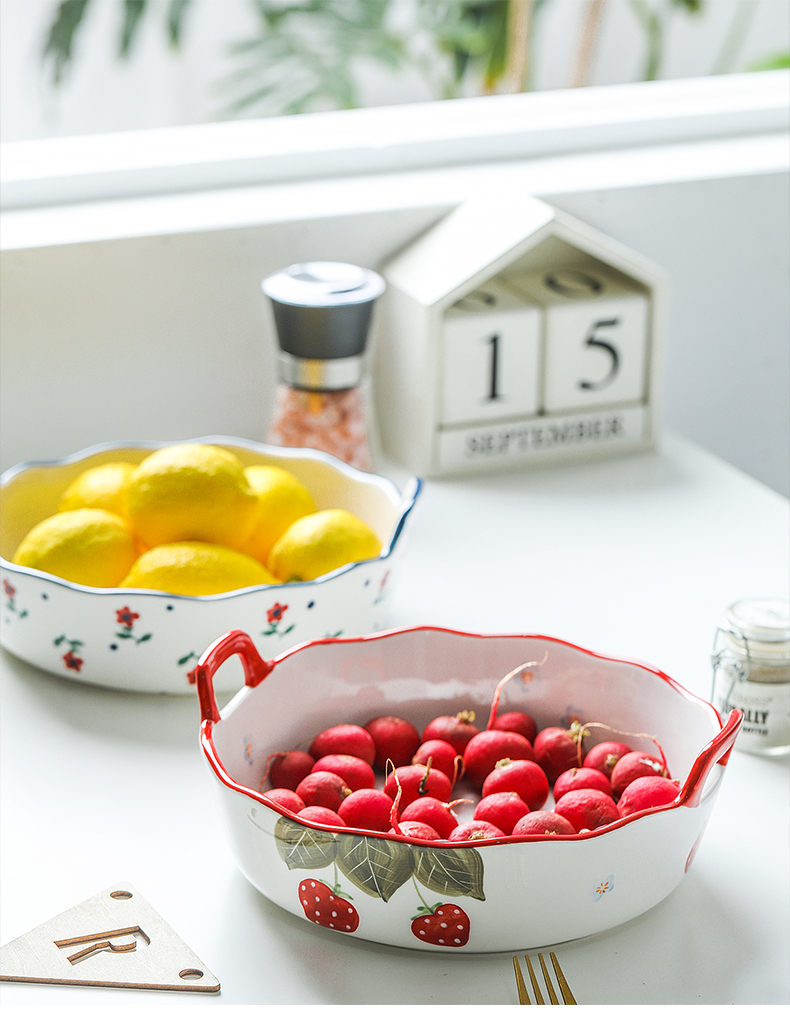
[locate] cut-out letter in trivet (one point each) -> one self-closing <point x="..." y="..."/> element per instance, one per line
<point x="113" y="940"/>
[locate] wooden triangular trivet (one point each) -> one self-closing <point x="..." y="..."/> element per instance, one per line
<point x="113" y="940"/>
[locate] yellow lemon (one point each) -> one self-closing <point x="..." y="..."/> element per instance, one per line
<point x="282" y="499"/>
<point x="87" y="546"/>
<point x="100" y="487"/>
<point x="195" y="568"/>
<point x="318" y="543"/>
<point x="191" y="492"/>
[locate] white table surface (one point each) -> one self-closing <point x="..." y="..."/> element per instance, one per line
<point x="635" y="557"/>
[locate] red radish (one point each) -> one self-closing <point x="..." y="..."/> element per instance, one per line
<point x="471" y="830"/>
<point x="286" y="769"/>
<point x="367" y="808"/>
<point x="543" y="823"/>
<point x="431" y="812"/>
<point x="344" y="739"/>
<point x="523" y="777"/>
<point x="502" y="810"/>
<point x="415" y="830"/>
<point x="457" y="730"/>
<point x="604" y="756"/>
<point x="557" y="750"/>
<point x="440" y="755"/>
<point x="322" y="816"/>
<point x="416" y="780"/>
<point x="587" y="809"/>
<point x="634" y="765"/>
<point x="323" y="789"/>
<point x="356" y="773"/>
<point x="484" y="750"/>
<point x="517" y="721"/>
<point x="581" y="778"/>
<point x="647" y="791"/>
<point x="287" y="798"/>
<point x="395" y="740"/>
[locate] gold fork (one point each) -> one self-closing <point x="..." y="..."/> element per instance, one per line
<point x="523" y="995"/>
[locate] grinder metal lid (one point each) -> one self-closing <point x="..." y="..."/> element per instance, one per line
<point x="322" y="311"/>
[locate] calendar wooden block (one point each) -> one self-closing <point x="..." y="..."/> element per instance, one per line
<point x="490" y="356"/>
<point x="596" y="335"/>
<point x="512" y="334"/>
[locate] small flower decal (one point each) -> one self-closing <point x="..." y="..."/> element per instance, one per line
<point x="191" y="673"/>
<point x="275" y="613"/>
<point x="70" y="659"/>
<point x="382" y="588"/>
<point x="126" y="618"/>
<point x="602" y="888"/>
<point x="248" y="749"/>
<point x="274" y="617"/>
<point x="10" y="592"/>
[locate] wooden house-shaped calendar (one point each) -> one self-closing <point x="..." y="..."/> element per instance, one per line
<point x="513" y="335"/>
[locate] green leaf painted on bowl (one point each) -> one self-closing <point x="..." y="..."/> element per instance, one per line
<point x="378" y="866"/>
<point x="304" y="848"/>
<point x="457" y="872"/>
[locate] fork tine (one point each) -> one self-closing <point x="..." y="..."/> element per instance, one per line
<point x="567" y="995"/>
<point x="523" y="995"/>
<point x="535" y="987"/>
<point x="549" y="987"/>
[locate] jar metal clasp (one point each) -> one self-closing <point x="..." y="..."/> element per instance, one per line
<point x="724" y="658"/>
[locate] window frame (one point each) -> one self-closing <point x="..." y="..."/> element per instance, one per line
<point x="421" y="137"/>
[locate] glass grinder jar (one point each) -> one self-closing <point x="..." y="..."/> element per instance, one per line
<point x="751" y="671"/>
<point x="322" y="312"/>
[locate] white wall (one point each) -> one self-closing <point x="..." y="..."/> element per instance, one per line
<point x="153" y="326"/>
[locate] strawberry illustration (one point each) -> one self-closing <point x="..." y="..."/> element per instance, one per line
<point x="443" y="924"/>
<point x="327" y="907"/>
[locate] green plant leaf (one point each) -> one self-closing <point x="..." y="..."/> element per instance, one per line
<point x="377" y="866"/>
<point x="59" y="43"/>
<point x="773" y="62"/>
<point x="175" y="21"/>
<point x="133" y="11"/>
<point x="305" y="55"/>
<point x="454" y="872"/>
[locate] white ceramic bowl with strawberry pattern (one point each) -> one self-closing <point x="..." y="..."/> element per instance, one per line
<point x="495" y="895"/>
<point x="149" y="641"/>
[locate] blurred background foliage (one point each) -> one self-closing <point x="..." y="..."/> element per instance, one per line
<point x="305" y="55"/>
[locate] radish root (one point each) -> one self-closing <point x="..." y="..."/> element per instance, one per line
<point x="506" y="679"/>
<point x="622" y="732"/>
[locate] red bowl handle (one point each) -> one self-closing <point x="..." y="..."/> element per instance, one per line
<point x="716" y="752"/>
<point x="234" y="642"/>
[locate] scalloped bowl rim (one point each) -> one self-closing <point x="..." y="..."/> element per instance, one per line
<point x="683" y="798"/>
<point x="384" y="483"/>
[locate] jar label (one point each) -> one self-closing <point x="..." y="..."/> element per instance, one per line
<point x="765" y="706"/>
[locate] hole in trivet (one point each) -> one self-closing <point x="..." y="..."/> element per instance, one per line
<point x="121" y="894"/>
<point x="191" y="973"/>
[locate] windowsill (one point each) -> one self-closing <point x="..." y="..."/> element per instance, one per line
<point x="469" y="134"/>
<point x="440" y="188"/>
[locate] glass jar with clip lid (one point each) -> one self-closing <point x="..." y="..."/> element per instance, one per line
<point x="751" y="671"/>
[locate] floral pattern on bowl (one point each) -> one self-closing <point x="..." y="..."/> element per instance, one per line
<point x="148" y="641"/>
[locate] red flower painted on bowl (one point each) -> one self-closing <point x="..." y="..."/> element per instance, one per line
<point x="126" y="617"/>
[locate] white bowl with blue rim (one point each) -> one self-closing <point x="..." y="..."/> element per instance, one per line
<point x="150" y="641"/>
